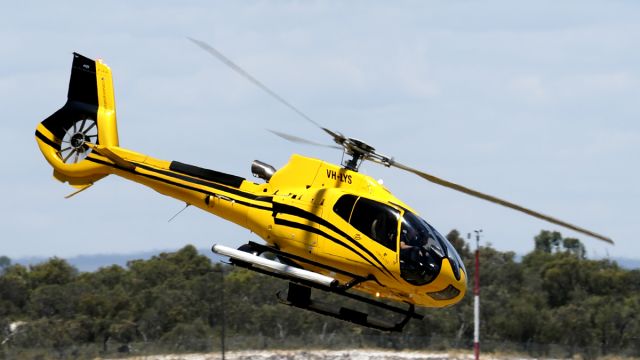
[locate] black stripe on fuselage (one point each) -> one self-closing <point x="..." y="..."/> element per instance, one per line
<point x="206" y="174"/>
<point x="174" y="183"/>
<point x="205" y="183"/>
<point x="311" y="229"/>
<point x="46" y="140"/>
<point x="292" y="210"/>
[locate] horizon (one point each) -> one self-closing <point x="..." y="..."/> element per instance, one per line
<point x="94" y="261"/>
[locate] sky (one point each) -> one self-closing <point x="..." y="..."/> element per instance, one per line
<point x="536" y="102"/>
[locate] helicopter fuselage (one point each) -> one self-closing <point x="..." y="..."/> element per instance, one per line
<point x="346" y="224"/>
<point x="307" y="209"/>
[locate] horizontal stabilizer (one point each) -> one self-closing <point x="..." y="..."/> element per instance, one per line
<point x="80" y="188"/>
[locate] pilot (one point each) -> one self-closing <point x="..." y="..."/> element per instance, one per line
<point x="381" y="232"/>
<point x="408" y="249"/>
<point x="408" y="237"/>
<point x="414" y="257"/>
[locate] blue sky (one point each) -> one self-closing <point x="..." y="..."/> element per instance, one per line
<point x="534" y="102"/>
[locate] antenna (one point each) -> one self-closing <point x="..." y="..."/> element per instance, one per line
<point x="180" y="212"/>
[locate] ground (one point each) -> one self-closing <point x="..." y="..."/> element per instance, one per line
<point x="324" y="355"/>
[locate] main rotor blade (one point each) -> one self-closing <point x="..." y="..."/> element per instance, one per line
<point x="496" y="200"/>
<point x="211" y="50"/>
<point x="344" y="142"/>
<point x="337" y="137"/>
<point x="300" y="140"/>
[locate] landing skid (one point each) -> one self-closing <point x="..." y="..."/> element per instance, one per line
<point x="300" y="297"/>
<point x="302" y="281"/>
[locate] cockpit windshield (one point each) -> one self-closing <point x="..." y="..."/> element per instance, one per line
<point x="422" y="250"/>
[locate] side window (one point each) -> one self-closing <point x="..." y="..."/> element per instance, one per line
<point x="377" y="221"/>
<point x="344" y="206"/>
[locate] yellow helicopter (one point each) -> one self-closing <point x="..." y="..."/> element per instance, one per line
<point x="326" y="226"/>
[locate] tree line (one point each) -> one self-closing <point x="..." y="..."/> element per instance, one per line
<point x="552" y="296"/>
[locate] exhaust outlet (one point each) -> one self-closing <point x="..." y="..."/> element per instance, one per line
<point x="262" y="170"/>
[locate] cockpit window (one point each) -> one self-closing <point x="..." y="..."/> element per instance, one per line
<point x="422" y="249"/>
<point x="456" y="261"/>
<point x="344" y="206"/>
<point x="415" y="232"/>
<point x="421" y="253"/>
<point x="377" y="221"/>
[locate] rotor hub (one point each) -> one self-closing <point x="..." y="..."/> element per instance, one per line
<point x="359" y="146"/>
<point x="78" y="139"/>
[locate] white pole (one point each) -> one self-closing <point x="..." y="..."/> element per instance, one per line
<point x="476" y="300"/>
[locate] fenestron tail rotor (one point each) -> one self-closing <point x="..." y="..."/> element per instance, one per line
<point x="73" y="148"/>
<point x="359" y="151"/>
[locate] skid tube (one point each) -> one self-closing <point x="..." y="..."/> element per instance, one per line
<point x="300" y="296"/>
<point x="299" y="293"/>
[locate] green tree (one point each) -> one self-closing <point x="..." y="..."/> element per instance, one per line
<point x="48" y="301"/>
<point x="461" y="246"/>
<point x="5" y="262"/>
<point x="554" y="295"/>
<point x="574" y="247"/>
<point x="548" y="241"/>
<point x="14" y="291"/>
<point x="55" y="271"/>
<point x="572" y="326"/>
